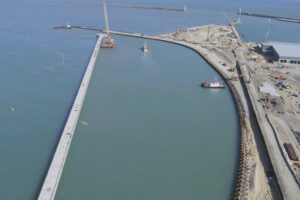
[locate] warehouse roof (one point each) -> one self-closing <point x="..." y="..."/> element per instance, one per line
<point x="286" y="49"/>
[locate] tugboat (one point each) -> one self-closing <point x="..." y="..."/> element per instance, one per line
<point x="213" y="84"/>
<point x="145" y="48"/>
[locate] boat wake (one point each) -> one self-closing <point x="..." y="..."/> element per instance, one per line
<point x="149" y="65"/>
<point x="84" y="123"/>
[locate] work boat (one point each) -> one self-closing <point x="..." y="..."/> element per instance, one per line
<point x="213" y="84"/>
<point x="145" y="47"/>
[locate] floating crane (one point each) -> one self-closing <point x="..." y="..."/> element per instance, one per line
<point x="107" y="41"/>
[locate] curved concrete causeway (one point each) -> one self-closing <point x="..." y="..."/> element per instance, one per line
<point x="55" y="170"/>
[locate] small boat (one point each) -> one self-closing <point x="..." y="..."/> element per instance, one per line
<point x="213" y="84"/>
<point x="145" y="47"/>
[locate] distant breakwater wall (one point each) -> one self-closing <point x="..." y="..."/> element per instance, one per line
<point x="278" y="18"/>
<point x="147" y="7"/>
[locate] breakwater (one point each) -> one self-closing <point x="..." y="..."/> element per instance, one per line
<point x="78" y="27"/>
<point x="52" y="179"/>
<point x="146" y="7"/>
<point x="278" y="18"/>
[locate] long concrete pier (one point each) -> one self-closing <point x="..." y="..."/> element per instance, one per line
<point x="52" y="179"/>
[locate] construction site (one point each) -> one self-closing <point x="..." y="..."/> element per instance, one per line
<point x="271" y="90"/>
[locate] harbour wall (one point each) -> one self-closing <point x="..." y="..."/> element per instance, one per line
<point x="55" y="170"/>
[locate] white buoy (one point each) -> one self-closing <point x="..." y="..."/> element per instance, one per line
<point x="13" y="109"/>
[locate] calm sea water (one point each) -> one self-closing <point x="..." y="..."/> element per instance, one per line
<point x="154" y="100"/>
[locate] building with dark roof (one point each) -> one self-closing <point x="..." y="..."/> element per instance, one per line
<point x="285" y="53"/>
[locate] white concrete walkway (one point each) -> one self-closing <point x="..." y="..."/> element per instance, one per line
<point x="52" y="179"/>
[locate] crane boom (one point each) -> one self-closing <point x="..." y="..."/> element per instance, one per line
<point x="106" y="17"/>
<point x="268" y="33"/>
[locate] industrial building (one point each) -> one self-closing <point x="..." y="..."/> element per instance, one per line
<point x="284" y="53"/>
